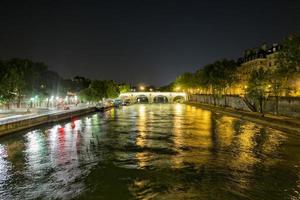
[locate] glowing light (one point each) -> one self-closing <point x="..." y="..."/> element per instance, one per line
<point x="178" y="109"/>
<point x="140" y="140"/>
<point x="177" y="88"/>
<point x="142" y="88"/>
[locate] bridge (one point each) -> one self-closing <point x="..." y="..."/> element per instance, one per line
<point x="154" y="97"/>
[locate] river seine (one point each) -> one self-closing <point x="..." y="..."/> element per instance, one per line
<point x="155" y="151"/>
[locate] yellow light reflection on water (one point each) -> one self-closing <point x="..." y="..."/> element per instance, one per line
<point x="141" y="134"/>
<point x="141" y="125"/>
<point x="225" y="126"/>
<point x="178" y="108"/>
<point x="191" y="128"/>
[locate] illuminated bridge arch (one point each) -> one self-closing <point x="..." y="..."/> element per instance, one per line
<point x="141" y="99"/>
<point x="154" y="97"/>
<point x="160" y="99"/>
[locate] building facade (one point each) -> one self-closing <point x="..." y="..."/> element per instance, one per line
<point x="267" y="60"/>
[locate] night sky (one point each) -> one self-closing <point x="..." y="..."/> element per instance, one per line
<point x="143" y="41"/>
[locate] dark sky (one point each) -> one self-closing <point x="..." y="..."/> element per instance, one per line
<point x="149" y="41"/>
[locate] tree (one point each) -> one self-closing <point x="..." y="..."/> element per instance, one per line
<point x="100" y="89"/>
<point x="218" y="77"/>
<point x="288" y="59"/>
<point x="123" y="88"/>
<point x="259" y="87"/>
<point x="186" y="81"/>
<point x="167" y="88"/>
<point x="18" y="76"/>
<point x="111" y="89"/>
<point x="6" y="85"/>
<point x="89" y="95"/>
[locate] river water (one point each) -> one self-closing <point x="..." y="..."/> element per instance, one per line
<point x="169" y="151"/>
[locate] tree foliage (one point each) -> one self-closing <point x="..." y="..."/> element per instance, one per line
<point x="186" y="81"/>
<point x="288" y="63"/>
<point x="289" y="55"/>
<point x="123" y="88"/>
<point x="259" y="87"/>
<point x="214" y="78"/>
<point x="99" y="89"/>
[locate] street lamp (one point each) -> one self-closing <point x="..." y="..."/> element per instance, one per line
<point x="142" y="88"/>
<point x="245" y="90"/>
<point x="177" y="88"/>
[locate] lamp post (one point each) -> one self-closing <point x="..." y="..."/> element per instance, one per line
<point x="31" y="102"/>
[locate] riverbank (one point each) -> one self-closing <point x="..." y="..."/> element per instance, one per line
<point x="277" y="122"/>
<point x="32" y="121"/>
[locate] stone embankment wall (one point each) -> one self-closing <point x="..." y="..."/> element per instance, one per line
<point x="35" y="121"/>
<point x="287" y="106"/>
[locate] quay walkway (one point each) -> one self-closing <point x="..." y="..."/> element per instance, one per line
<point x="278" y="122"/>
<point x="19" y="122"/>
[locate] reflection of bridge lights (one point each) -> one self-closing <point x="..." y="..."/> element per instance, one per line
<point x="150" y="95"/>
<point x="140" y="141"/>
<point x="142" y="111"/>
<point x="178" y="108"/>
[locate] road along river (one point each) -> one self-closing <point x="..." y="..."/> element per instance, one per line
<point x="155" y="151"/>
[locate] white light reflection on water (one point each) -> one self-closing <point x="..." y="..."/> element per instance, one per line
<point x="5" y="168"/>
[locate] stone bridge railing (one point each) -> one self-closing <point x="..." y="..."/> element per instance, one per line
<point x="152" y="96"/>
